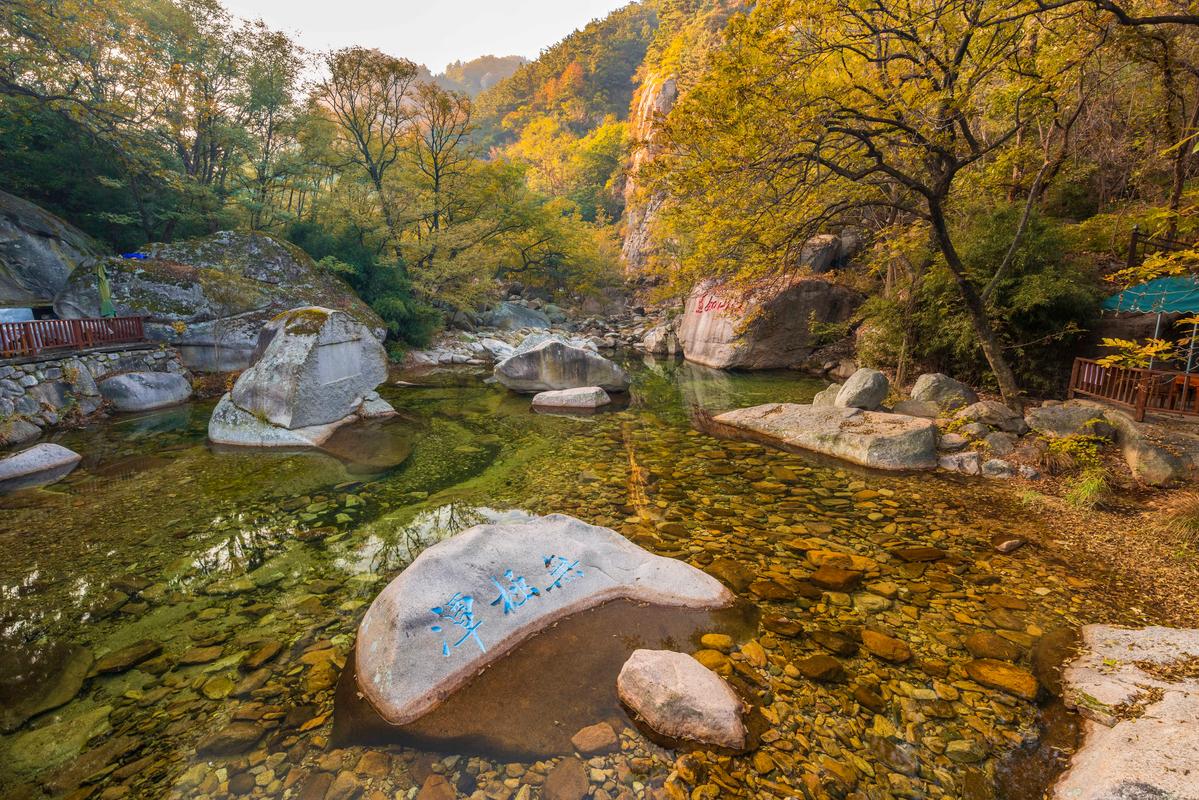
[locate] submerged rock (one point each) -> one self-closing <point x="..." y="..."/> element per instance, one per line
<point x="211" y="296"/>
<point x="145" y="391"/>
<point x="317" y="370"/>
<point x="680" y="698"/>
<point x="39" y="678"/>
<point x="39" y="465"/>
<point x="881" y="441"/>
<point x="1139" y="692"/>
<point x="490" y="588"/>
<point x="554" y="364"/>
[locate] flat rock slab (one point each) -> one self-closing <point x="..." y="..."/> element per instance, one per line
<point x="583" y="397"/>
<point x="37" y="466"/>
<point x="680" y="698"/>
<point x="871" y="439"/>
<point x="468" y="600"/>
<point x="145" y="391"/>
<point x="1139" y="692"/>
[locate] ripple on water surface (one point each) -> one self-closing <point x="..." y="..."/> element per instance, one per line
<point x="219" y="593"/>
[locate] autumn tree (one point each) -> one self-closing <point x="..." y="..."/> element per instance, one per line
<point x="368" y="94"/>
<point x="823" y="113"/>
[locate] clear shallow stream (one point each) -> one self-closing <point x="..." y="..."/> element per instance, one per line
<point x="220" y="591"/>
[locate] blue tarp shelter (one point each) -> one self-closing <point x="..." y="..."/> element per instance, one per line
<point x="1169" y="295"/>
<point x="1172" y="295"/>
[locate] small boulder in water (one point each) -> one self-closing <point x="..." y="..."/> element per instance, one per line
<point x="36" y="466"/>
<point x="145" y="391"/>
<point x="554" y="363"/>
<point x="680" y="698"/>
<point x="583" y="397"/>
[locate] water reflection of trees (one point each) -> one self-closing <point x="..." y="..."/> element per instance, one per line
<point x="242" y="548"/>
<point x="390" y="551"/>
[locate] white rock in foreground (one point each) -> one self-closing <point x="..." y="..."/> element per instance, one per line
<point x="583" y="397"/>
<point x="681" y="698"/>
<point x="872" y="439"/>
<point x="1141" y="735"/>
<point x="36" y="466"/>
<point x="468" y="600"/>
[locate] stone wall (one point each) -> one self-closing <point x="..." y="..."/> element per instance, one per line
<point x="47" y="390"/>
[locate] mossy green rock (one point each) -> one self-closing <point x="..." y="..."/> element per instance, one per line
<point x="211" y="296"/>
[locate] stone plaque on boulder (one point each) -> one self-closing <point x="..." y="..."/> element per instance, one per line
<point x="470" y="599"/>
<point x="767" y="328"/>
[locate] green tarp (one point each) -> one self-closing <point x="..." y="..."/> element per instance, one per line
<point x="1160" y="296"/>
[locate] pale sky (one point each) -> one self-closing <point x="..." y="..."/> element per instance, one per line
<point x="430" y="32"/>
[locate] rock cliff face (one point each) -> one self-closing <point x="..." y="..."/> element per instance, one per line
<point x="652" y="103"/>
<point x="770" y="328"/>
<point x="211" y="296"/>
<point x="38" y="253"/>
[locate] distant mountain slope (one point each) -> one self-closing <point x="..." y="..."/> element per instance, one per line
<point x="480" y="74"/>
<point x="579" y="82"/>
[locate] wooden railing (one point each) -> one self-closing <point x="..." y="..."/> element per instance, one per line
<point x="1142" y="390"/>
<point x="19" y="339"/>
<point x="1142" y="244"/>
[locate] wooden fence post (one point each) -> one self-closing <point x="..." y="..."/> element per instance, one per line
<point x="1142" y="397"/>
<point x="1132" y="246"/>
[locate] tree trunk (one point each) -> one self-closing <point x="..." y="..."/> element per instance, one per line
<point x="1009" y="389"/>
<point x="1185" y="148"/>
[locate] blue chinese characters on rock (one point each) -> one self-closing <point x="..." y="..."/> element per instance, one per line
<point x="459" y="618"/>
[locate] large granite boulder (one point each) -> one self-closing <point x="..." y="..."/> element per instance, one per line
<point x="38" y="253"/>
<point x="39" y="465"/>
<point x="868" y="438"/>
<point x="468" y="600"/>
<point x="317" y="370"/>
<point x="509" y="316"/>
<point x="680" y="698"/>
<point x="764" y="328"/>
<point x="1069" y="419"/>
<point x="145" y="391"/>
<point x="210" y="297"/>
<point x="943" y="392"/>
<point x="995" y="415"/>
<point x="866" y="389"/>
<point x="552" y="363"/>
<point x="1139" y="695"/>
<point x="660" y="340"/>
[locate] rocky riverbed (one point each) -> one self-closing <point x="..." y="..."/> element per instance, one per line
<point x="214" y="597"/>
